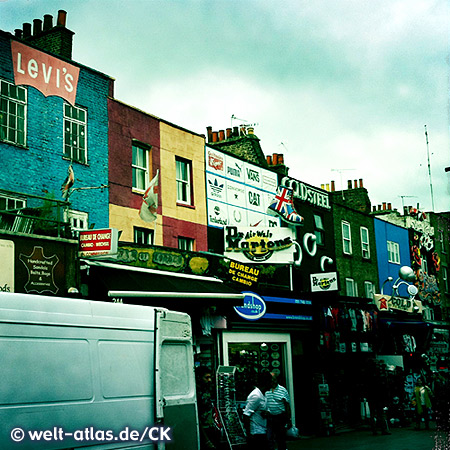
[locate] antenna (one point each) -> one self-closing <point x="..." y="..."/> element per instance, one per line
<point x="406" y="196"/>
<point x="429" y="169"/>
<point x="340" y="172"/>
<point x="246" y="124"/>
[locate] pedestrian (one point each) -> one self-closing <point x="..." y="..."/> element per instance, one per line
<point x="255" y="414"/>
<point x="210" y="435"/>
<point x="279" y="419"/>
<point x="377" y="394"/>
<point x="422" y="402"/>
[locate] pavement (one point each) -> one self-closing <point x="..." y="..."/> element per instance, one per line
<point x="399" y="439"/>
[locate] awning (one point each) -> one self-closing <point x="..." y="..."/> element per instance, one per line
<point x="108" y="279"/>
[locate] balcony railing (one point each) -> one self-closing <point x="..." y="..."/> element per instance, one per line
<point x="33" y="214"/>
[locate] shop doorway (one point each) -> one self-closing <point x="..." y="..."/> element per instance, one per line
<point x="253" y="353"/>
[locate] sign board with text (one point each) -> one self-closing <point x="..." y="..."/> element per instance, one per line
<point x="98" y="242"/>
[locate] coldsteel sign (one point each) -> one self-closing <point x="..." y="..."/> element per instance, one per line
<point x="47" y="74"/>
<point x="307" y="193"/>
<point x="98" y="242"/>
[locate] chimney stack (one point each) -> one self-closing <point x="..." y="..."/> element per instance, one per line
<point x="214" y="136"/>
<point x="209" y="133"/>
<point x="361" y="183"/>
<point x="26" y="30"/>
<point x="355" y="184"/>
<point x="349" y="184"/>
<point x="333" y="186"/>
<point x="389" y="206"/>
<point x="221" y="135"/>
<point x="236" y="131"/>
<point x="228" y="133"/>
<point x="384" y="206"/>
<point x="18" y="33"/>
<point x="269" y="160"/>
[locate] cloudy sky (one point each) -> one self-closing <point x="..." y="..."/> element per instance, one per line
<point x="342" y="88"/>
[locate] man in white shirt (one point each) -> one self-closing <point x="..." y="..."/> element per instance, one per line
<point x="278" y="404"/>
<point x="255" y="414"/>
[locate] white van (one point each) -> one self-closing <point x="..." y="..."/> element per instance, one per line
<point x="77" y="374"/>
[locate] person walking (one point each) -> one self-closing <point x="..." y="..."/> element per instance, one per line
<point x="278" y="404"/>
<point x="255" y="414"/>
<point x="422" y="401"/>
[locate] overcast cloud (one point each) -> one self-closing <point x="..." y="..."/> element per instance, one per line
<point x="342" y="88"/>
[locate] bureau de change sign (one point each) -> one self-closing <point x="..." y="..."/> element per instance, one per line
<point x="98" y="242"/>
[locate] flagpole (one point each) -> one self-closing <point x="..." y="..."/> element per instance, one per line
<point x="429" y="169"/>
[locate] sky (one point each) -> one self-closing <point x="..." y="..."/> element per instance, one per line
<point x="343" y="89"/>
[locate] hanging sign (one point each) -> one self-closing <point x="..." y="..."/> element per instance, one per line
<point x="98" y="242"/>
<point x="321" y="282"/>
<point x="243" y="274"/>
<point x="254" y="307"/>
<point x="49" y="75"/>
<point x="261" y="245"/>
<point x="387" y="302"/>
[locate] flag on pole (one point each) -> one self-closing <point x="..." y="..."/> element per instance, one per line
<point x="150" y="201"/>
<point x="68" y="183"/>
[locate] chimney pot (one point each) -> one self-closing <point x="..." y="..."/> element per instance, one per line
<point x="37" y="27"/>
<point x="221" y="135"/>
<point x="389" y="206"/>
<point x="48" y="22"/>
<point x="281" y="159"/>
<point x="18" y="33"/>
<point x="209" y="133"/>
<point x="349" y="184"/>
<point x="405" y="210"/>
<point x="236" y="131"/>
<point x="228" y="133"/>
<point x="328" y="187"/>
<point x="275" y="159"/>
<point x="215" y="136"/>
<point x="250" y="130"/>
<point x="26" y="30"/>
<point x="374" y="208"/>
<point x="361" y="183"/>
<point x="355" y="183"/>
<point x="333" y="186"/>
<point x="62" y="16"/>
<point x="384" y="206"/>
<point x="269" y="160"/>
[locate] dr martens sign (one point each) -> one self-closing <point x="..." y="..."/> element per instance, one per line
<point x="262" y="245"/>
<point x="49" y="75"/>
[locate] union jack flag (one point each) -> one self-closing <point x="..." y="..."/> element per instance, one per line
<point x="282" y="205"/>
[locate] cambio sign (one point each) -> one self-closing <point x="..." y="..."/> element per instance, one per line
<point x="47" y="74"/>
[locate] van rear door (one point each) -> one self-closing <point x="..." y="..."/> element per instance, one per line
<point x="175" y="397"/>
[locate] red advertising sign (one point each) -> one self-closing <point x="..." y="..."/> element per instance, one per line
<point x="98" y="242"/>
<point x="49" y="75"/>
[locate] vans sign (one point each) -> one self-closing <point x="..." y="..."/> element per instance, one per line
<point x="49" y="75"/>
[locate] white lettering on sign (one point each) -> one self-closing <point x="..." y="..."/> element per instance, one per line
<point x="48" y="74"/>
<point x="307" y="193"/>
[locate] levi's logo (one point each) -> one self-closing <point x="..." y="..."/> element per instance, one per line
<point x="49" y="75"/>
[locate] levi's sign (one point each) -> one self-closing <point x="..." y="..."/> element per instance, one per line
<point x="49" y="75"/>
<point x="98" y="242"/>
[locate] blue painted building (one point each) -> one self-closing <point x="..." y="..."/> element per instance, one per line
<point x="392" y="246"/>
<point x="61" y="121"/>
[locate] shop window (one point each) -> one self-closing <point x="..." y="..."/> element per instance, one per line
<point x="318" y="229"/>
<point x="365" y="247"/>
<point x="351" y="287"/>
<point x="253" y="358"/>
<point x="369" y="289"/>
<point x="13" y="107"/>
<point x="185" y="243"/>
<point x="393" y="252"/>
<point x="184" y="182"/>
<point x="75" y="124"/>
<point x="346" y="238"/>
<point x="143" y="236"/>
<point x="140" y="166"/>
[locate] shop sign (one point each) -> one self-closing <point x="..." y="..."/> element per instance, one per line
<point x="40" y="271"/>
<point x="243" y="273"/>
<point x="387" y="302"/>
<point x="307" y="193"/>
<point x="49" y="75"/>
<point x="98" y="242"/>
<point x="322" y="282"/>
<point x="254" y="307"/>
<point x="7" y="272"/>
<point x="259" y="245"/>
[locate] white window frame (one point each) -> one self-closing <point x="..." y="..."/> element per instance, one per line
<point x="185" y="243"/>
<point x="369" y="289"/>
<point x="350" y="283"/>
<point x="75" y="134"/>
<point x="79" y="221"/>
<point x="365" y="244"/>
<point x="319" y="229"/>
<point x="184" y="186"/>
<point x="11" y="203"/>
<point x="346" y="240"/>
<point x="13" y="113"/>
<point x="393" y="249"/>
<point x="144" y="236"/>
<point x="140" y="165"/>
